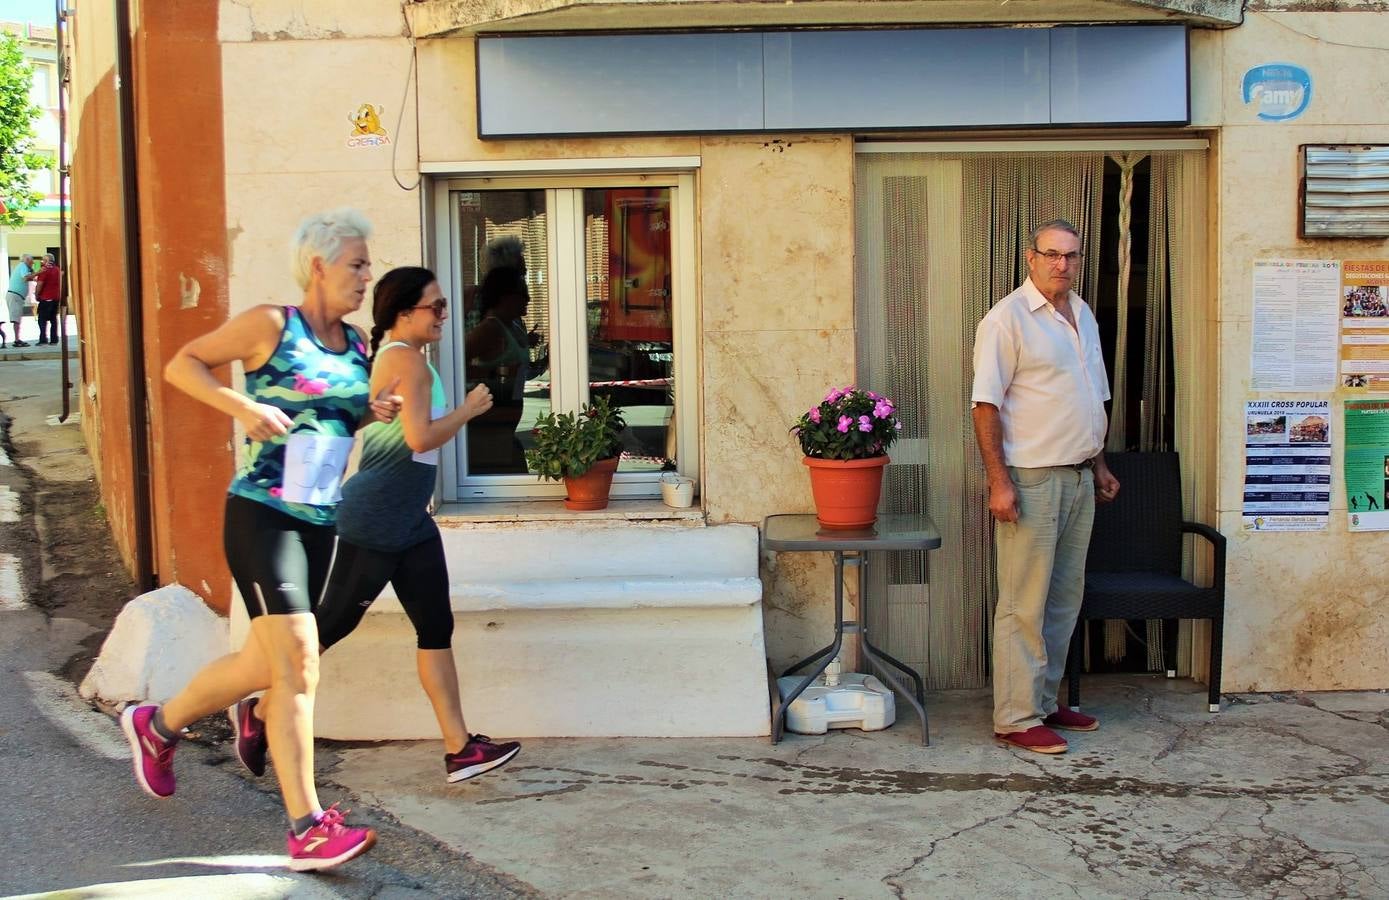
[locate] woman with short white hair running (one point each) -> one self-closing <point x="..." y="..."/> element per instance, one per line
<point x="307" y="393"/>
<point x="386" y="534"/>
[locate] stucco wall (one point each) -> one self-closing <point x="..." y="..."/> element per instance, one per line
<point x="178" y="120"/>
<point x="1306" y="610"/>
<point x="775" y="237"/>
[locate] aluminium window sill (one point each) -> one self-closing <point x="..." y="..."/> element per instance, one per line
<point x="554" y="511"/>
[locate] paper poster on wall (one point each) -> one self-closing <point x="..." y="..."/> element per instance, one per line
<point x="1287" y="465"/>
<point x="1367" y="464"/>
<point x="1365" y="325"/>
<point x="1295" y="324"/>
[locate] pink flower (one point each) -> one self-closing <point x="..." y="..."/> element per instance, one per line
<point x="882" y="409"/>
<point x="814" y="415"/>
<point x="833" y="395"/>
<point x="898" y="426"/>
<point x="845" y="423"/>
<point x="865" y="424"/>
<point x="871" y="395"/>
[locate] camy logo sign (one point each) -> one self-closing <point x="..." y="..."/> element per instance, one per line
<point x="1279" y="91"/>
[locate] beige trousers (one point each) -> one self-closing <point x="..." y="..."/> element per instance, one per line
<point x="1041" y="582"/>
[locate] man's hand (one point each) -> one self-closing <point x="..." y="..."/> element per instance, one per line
<point x="387" y="404"/>
<point x="1106" y="485"/>
<point x="264" y="422"/>
<point x="1003" y="500"/>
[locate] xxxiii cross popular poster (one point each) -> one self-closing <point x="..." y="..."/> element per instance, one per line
<point x="1287" y="466"/>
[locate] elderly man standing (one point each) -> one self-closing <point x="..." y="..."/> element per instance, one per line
<point x="1038" y="408"/>
<point x="46" y="291"/>
<point x="16" y="297"/>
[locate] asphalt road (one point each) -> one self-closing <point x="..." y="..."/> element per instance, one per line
<point x="72" y="818"/>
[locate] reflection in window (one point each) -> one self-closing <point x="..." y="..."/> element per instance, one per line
<point x="505" y="309"/>
<point x="627" y="274"/>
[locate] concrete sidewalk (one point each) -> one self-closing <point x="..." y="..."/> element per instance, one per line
<point x="1274" y="796"/>
<point x="29" y="333"/>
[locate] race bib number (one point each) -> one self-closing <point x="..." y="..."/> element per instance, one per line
<point x="431" y="457"/>
<point x="314" y="465"/>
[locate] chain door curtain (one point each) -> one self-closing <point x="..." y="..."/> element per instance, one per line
<point x="939" y="239"/>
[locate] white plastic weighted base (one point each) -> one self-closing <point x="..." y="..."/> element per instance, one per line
<point x="859" y="701"/>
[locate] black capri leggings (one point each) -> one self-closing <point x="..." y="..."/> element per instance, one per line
<point x="279" y="562"/>
<point x="419" y="575"/>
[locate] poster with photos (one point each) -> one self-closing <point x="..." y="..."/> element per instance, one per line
<point x="1287" y="466"/>
<point x="1364" y="363"/>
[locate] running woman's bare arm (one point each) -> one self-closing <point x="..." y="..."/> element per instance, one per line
<point x="249" y="338"/>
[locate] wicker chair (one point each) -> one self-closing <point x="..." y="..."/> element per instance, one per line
<point x="1134" y="567"/>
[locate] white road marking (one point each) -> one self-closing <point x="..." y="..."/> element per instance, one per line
<point x="240" y="886"/>
<point x="58" y="702"/>
<point x="9" y="504"/>
<point x="11" y="583"/>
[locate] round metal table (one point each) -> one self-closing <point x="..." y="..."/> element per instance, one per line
<point x="802" y="532"/>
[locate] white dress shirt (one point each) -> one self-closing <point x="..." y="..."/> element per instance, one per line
<point x="1046" y="378"/>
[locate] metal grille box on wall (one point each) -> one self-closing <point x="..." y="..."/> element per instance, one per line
<point x="1345" y="191"/>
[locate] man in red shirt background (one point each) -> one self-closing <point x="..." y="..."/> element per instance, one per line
<point x="47" y="281"/>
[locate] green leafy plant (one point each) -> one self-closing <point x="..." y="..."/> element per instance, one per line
<point x="568" y="444"/>
<point x="848" y="424"/>
<point x="17" y="115"/>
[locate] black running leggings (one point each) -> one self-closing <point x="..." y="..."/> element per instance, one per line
<point x="279" y="562"/>
<point x="419" y="575"/>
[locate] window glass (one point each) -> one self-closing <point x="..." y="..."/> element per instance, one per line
<point x="629" y="334"/>
<point x="505" y="312"/>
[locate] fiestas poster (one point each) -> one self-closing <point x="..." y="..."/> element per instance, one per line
<point x="1287" y="469"/>
<point x="1365" y="325"/>
<point x="1367" y="464"/>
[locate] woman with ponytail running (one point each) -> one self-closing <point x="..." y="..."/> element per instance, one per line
<point x="385" y="532"/>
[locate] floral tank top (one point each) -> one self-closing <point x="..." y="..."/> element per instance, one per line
<point x="325" y="393"/>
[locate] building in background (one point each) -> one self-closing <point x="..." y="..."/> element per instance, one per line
<point x="39" y="235"/>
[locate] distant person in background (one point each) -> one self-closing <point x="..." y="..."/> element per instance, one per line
<point x="16" y="297"/>
<point x="47" y="281"/>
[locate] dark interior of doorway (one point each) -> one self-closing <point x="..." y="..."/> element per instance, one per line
<point x="1135" y="658"/>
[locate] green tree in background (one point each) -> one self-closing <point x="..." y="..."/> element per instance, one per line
<point x="17" y="115"/>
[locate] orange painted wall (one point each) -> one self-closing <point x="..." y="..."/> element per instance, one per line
<point x="177" y="90"/>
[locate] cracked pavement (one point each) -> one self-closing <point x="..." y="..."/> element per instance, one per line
<point x="1278" y="795"/>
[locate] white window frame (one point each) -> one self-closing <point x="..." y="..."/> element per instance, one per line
<point x="568" y="319"/>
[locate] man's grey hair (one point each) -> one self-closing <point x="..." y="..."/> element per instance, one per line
<point x="322" y="235"/>
<point x="506" y="250"/>
<point x="49" y="257"/>
<point x="1053" y="225"/>
<point x="27" y="257"/>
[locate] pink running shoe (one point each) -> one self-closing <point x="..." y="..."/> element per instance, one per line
<point x="249" y="734"/>
<point x="479" y="755"/>
<point x="153" y="756"/>
<point x="329" y="843"/>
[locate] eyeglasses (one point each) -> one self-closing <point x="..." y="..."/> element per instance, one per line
<point x="438" y="306"/>
<point x="1053" y="258"/>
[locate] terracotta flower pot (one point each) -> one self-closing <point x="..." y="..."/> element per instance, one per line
<point x="590" y="490"/>
<point x="846" y="490"/>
